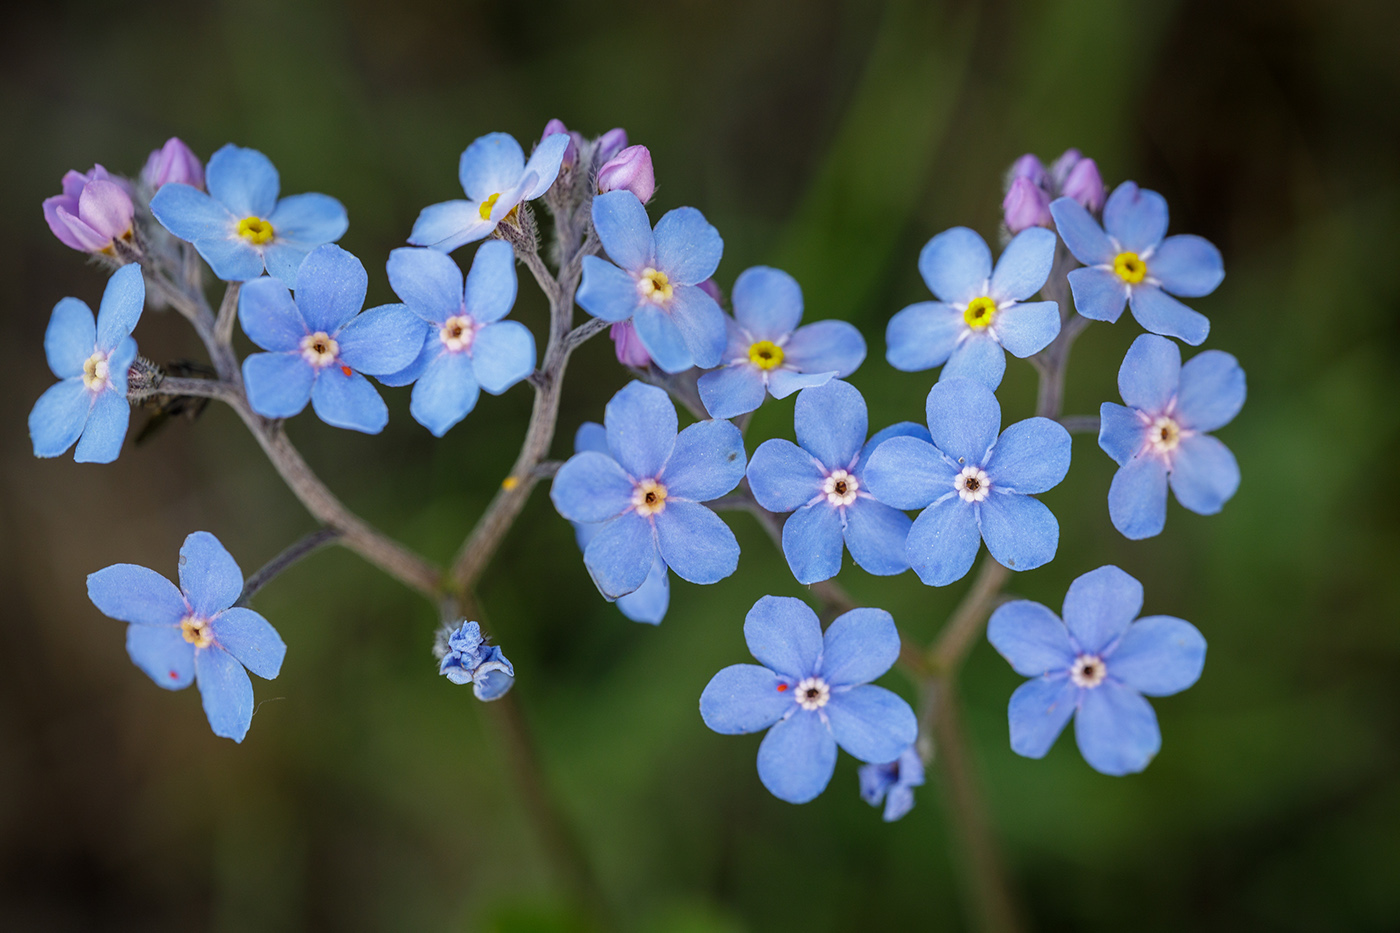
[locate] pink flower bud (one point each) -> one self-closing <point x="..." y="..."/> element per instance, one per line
<point x="1085" y="185"/>
<point x="93" y="210"/>
<point x="1061" y="167"/>
<point x="575" y="140"/>
<point x="628" y="345"/>
<point x="1030" y="167"/>
<point x="630" y="169"/>
<point x="711" y="288"/>
<point x="609" y="144"/>
<point x="173" y="162"/>
<point x="1026" y="205"/>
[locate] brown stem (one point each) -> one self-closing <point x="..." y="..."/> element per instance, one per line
<point x="296" y="551"/>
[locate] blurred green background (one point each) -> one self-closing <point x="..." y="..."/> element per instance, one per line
<point x="830" y="138"/>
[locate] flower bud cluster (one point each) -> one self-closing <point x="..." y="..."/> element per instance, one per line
<point x="1030" y="187"/>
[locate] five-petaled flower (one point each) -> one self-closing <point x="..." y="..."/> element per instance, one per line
<point x="892" y="783"/>
<point x="814" y="691"/>
<point x="974" y="484"/>
<point x="92" y="359"/>
<point x="1097" y="663"/>
<point x="656" y="280"/>
<point x="1162" y="434"/>
<point x="467" y="347"/>
<point x="767" y="351"/>
<point x="320" y="343"/>
<point x="469" y="660"/>
<point x="195" y="631"/>
<point x="496" y="179"/>
<point x="647" y="491"/>
<point x="1128" y="260"/>
<point x="980" y="310"/>
<point x="94" y="210"/>
<point x="823" y="483"/>
<point x="241" y="227"/>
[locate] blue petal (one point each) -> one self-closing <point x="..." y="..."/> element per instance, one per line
<point x="58" y="418"/>
<point x="492" y="684"/>
<point x="1020" y="531"/>
<point x="1099" y="294"/>
<point x="908" y="473"/>
<point x="270" y="317"/>
<point x="695" y="542"/>
<point x="688" y="247"/>
<point x="232" y="258"/>
<point x="503" y="354"/>
<point x="284" y="261"/>
<point x="1024" y="265"/>
<point x="898" y="429"/>
<point x="382" y="340"/>
<point x="1137" y="498"/>
<point x="1160" y="313"/>
<point x="70" y="339"/>
<point x="731" y="391"/>
<point x="1159" y="656"/>
<point x="1031" y="456"/>
<point x="1120" y="432"/>
<point x="545" y="162"/>
<point x="428" y="282"/>
<point x="701" y="324"/>
<point x="648" y="602"/>
<point x="783" y="476"/>
<point x="641" y="424"/>
<point x="137" y="595"/>
<point x="1099" y="605"/>
<point x="784" y="635"/>
<point x="1032" y="638"/>
<point x="121" y="306"/>
<point x="491" y="283"/>
<point x="943" y="541"/>
<point x="251" y="639"/>
<point x="767" y="302"/>
<point x="1024" y="329"/>
<point x="446" y="389"/>
<point x="349" y="402"/>
<point x="662" y="338"/>
<point x="831" y="423"/>
<point x="209" y="576"/>
<point x="978" y="359"/>
<point x="119" y="364"/>
<point x="1212" y="391"/>
<point x="1150" y="373"/>
<point x="226" y="691"/>
<point x="591" y="487"/>
<point x="859" y="646"/>
<point x="1116" y="729"/>
<point x="606" y="291"/>
<point x="308" y="220"/>
<point x="243" y="180"/>
<point x="812" y="543"/>
<point x="1081" y="232"/>
<point x="707" y="461"/>
<point x="1204" y="473"/>
<point x="278" y="384"/>
<point x="1038" y="712"/>
<point x="876" y="534"/>
<point x="490" y="165"/>
<point x="190" y="214"/>
<point x="620" y="556"/>
<point x="106" y="429"/>
<point x="784" y="382"/>
<point x="797" y="758"/>
<point x="448" y="225"/>
<point x="744" y="698"/>
<point x="591" y="436"/>
<point x="331" y="286"/>
<point x="625" y="230"/>
<point x="956" y="264"/>
<point x="922" y="336"/>
<point x="825" y="346"/>
<point x="1189" y="266"/>
<point x="871" y="723"/>
<point x="1135" y="217"/>
<point x="963" y="419"/>
<point x="162" y="654"/>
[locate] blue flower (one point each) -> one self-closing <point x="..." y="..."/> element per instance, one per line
<point x="1132" y="263"/>
<point x="320" y="343"/>
<point x="467" y="347"/>
<point x="974" y="484"/>
<point x="1099" y="662"/>
<point x="469" y="660"/>
<point x="979" y="310"/>
<point x="823" y="484"/>
<point x="656" y="280"/>
<point x="195" y="631"/>
<point x="92" y="359"/>
<point x="767" y="351"/>
<point x="892" y="782"/>
<point x="647" y="603"/>
<point x="240" y="227"/>
<point x="647" y="490"/>
<point x="1162" y="434"/>
<point x="815" y="692"/>
<point x="496" y="178"/>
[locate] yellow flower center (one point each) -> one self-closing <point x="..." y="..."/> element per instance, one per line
<point x="96" y="371"/>
<point x="979" y="312"/>
<point x="196" y="631"/>
<point x="649" y="497"/>
<point x="654" y="286"/>
<point x="488" y="204"/>
<point x="766" y="355"/>
<point x="1130" y="268"/>
<point x="319" y="349"/>
<point x="255" y="230"/>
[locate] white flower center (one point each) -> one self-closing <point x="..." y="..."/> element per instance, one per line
<point x="812" y="693"/>
<point x="648" y="497"/>
<point x="457" y="332"/>
<point x="840" y="488"/>
<point x="319" y="349"/>
<point x="97" y="373"/>
<point x="196" y="631"/>
<point x="655" y="286"/>
<point x="1088" y="671"/>
<point x="972" y="484"/>
<point x="1164" y="435"/>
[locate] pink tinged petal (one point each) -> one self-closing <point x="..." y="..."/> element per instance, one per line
<point x="783" y="634"/>
<point x="625" y="230"/>
<point x="629" y="170"/>
<point x="1038" y="713"/>
<point x="1031" y="638"/>
<point x="1084" y="184"/>
<point x="209" y="576"/>
<point x="173" y="162"/>
<point x="767" y="302"/>
<point x="812" y="543"/>
<point x="1150" y="374"/>
<point x="797" y="758"/>
<point x="1116" y="729"/>
<point x="1099" y="606"/>
<point x="744" y="698"/>
<point x="135" y="594"/>
<point x="1024" y="265"/>
<point x="1137" y="498"/>
<point x="105" y="429"/>
<point x="621" y="554"/>
<point x="1030" y="168"/>
<point x="448" y="225"/>
<point x="491" y="164"/>
<point x="226" y="691"/>
<point x="943" y="541"/>
<point x="1135" y="217"/>
<point x="70" y="338"/>
<point x="162" y="654"/>
<point x="707" y="462"/>
<point x="1026" y="329"/>
<point x="57" y="212"/>
<point x="1026" y="205"/>
<point x="825" y="346"/>
<point x="629" y="350"/>
<point x="956" y="265"/>
<point x="1204" y="474"/>
<point x="859" y="646"/>
<point x="1099" y="294"/>
<point x="106" y="208"/>
<point x="1212" y="391"/>
<point x="610" y="144"/>
<point x="251" y="639"/>
<point x="1158" y="656"/>
<point x="695" y="543"/>
<point x="1021" y="532"/>
<point x="1160" y="313"/>
<point x="73" y="183"/>
<point x="1188" y="265"/>
<point x="58" y="418"/>
<point x="871" y="723"/>
<point x="688" y="247"/>
<point x="922" y="336"/>
<point x="79" y="233"/>
<point x="964" y="419"/>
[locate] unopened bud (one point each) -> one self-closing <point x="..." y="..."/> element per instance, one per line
<point x="173" y="162"/>
<point x="630" y="169"/>
<point x="1026" y="205"/>
<point x="628" y="345"/>
<point x="575" y="140"/>
<point x="1030" y="167"/>
<point x="609" y="144"/>
<point x="94" y="210"/>
<point x="1085" y="185"/>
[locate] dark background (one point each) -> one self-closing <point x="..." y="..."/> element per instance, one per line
<point x="829" y="138"/>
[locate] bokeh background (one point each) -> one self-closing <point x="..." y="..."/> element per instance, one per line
<point x="828" y="137"/>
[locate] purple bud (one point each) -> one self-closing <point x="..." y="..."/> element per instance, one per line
<point x="711" y="288"/>
<point x="93" y="210"/>
<point x="1085" y="185"/>
<point x="575" y="140"/>
<point x="609" y="144"/>
<point x="630" y="169"/>
<point x="1026" y="205"/>
<point x="1061" y="167"/>
<point x="173" y="162"/>
<point x="1029" y="166"/>
<point x="628" y="345"/>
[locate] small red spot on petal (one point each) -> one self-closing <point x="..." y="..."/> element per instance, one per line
<point x="782" y="688"/>
<point x="347" y="370"/>
<point x="174" y="675"/>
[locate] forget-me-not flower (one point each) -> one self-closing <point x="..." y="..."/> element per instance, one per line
<point x="92" y="359"/>
<point x="496" y="179"/>
<point x="980" y="310"/>
<point x="178" y="635"/>
<point x="822" y="482"/>
<point x="241" y="227"/>
<point x="467" y="347"/>
<point x="647" y="491"/>
<point x="94" y="211"/>
<point x="974" y="484"/>
<point x="892" y="783"/>
<point x="320" y="343"/>
<point x="469" y="660"/>
<point x="814" y="690"/>
<point x="1099" y="663"/>
<point x="1127" y="260"/>
<point x="1162" y="434"/>
<point x="656" y="280"/>
<point x="767" y="351"/>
